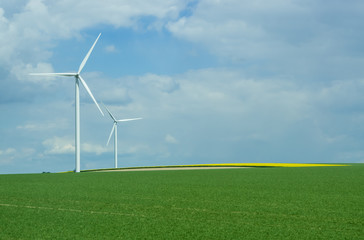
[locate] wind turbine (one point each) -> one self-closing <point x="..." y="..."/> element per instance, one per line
<point x="78" y="79"/>
<point x="115" y="130"/>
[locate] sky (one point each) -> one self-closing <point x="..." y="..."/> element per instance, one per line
<point x="231" y="81"/>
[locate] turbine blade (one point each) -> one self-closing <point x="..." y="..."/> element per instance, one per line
<point x="54" y="74"/>
<point x="87" y="55"/>
<point x="112" y="130"/>
<point x="112" y="116"/>
<point x="90" y="93"/>
<point x="128" y="119"/>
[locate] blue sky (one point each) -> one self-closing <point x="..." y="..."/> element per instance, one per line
<point x="215" y="82"/>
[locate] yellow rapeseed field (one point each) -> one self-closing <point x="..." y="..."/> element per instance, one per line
<point x="264" y="165"/>
<point x="223" y="165"/>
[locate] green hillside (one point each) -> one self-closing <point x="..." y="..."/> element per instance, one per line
<point x="250" y="203"/>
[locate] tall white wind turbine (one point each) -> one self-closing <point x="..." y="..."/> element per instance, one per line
<point x="115" y="131"/>
<point x="78" y="79"/>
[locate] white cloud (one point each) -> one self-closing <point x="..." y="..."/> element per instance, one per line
<point x="65" y="145"/>
<point x="22" y="72"/>
<point x="57" y="124"/>
<point x="94" y="148"/>
<point x="170" y="139"/>
<point x="7" y="151"/>
<point x="129" y="148"/>
<point x="59" y="145"/>
<point x="110" y="49"/>
<point x="236" y="28"/>
<point x="11" y="156"/>
<point x="217" y="111"/>
<point x="214" y="104"/>
<point x="117" y="94"/>
<point x="163" y="83"/>
<point x="7" y="156"/>
<point x="220" y="111"/>
<point x="28" y="126"/>
<point x="27" y="34"/>
<point x="294" y="38"/>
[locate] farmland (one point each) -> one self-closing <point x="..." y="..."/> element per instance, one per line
<point x="251" y="203"/>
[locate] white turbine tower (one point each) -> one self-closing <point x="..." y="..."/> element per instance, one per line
<point x="78" y="79"/>
<point x="115" y="130"/>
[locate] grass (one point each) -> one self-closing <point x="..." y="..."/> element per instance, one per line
<point x="251" y="203"/>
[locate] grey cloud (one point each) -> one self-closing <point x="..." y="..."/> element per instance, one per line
<point x="163" y="83"/>
<point x="301" y="39"/>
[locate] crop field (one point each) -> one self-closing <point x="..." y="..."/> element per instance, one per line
<point x="242" y="203"/>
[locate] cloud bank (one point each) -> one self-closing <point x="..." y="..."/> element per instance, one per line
<point x="252" y="81"/>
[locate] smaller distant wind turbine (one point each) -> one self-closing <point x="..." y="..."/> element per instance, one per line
<point x="115" y="131"/>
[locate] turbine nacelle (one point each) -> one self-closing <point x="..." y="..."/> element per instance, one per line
<point x="116" y="122"/>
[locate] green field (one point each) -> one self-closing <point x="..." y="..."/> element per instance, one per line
<point x="251" y="203"/>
